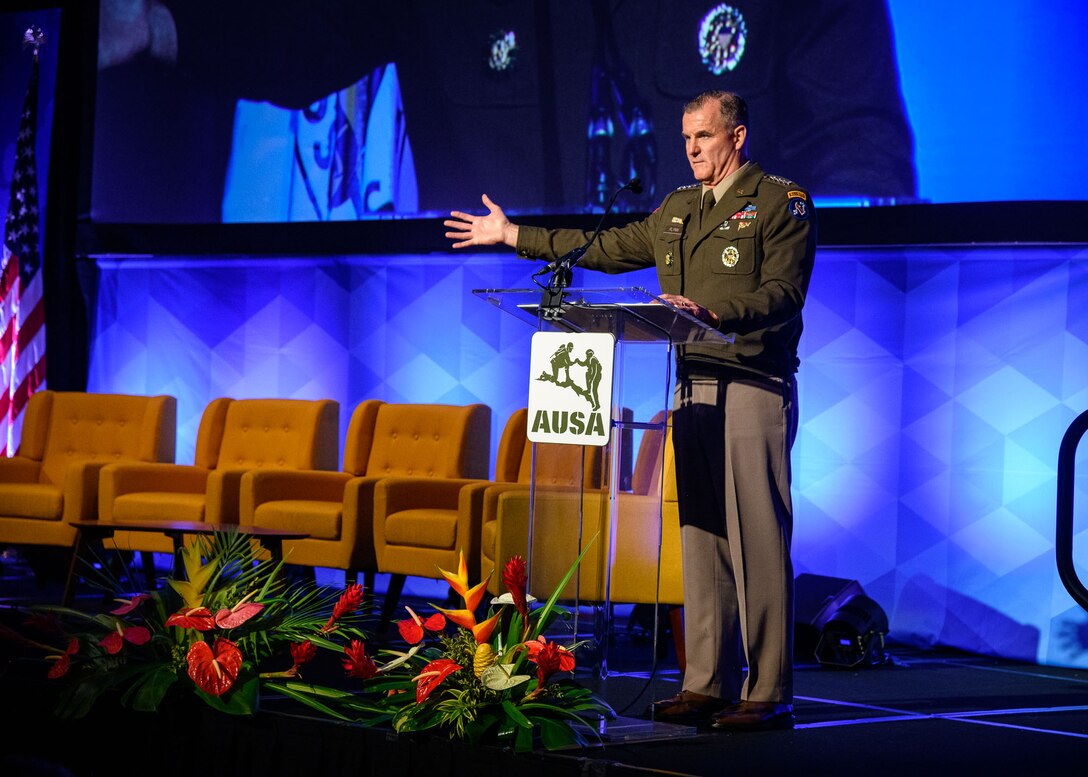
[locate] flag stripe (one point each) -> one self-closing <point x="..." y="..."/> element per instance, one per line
<point x="22" y="310"/>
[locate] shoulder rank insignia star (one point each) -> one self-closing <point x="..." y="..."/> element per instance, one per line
<point x="784" y="182"/>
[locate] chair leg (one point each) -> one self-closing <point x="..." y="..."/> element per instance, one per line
<point x="392" y="596"/>
<point x="148" y="560"/>
<point x="351" y="576"/>
<point x="676" y="623"/>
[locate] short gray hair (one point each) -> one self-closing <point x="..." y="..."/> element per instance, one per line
<point x="732" y="106"/>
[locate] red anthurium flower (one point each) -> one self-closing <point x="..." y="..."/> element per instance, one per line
<point x="64" y="660"/>
<point x="432" y="675"/>
<point x="358" y="663"/>
<point x="60" y="667"/>
<point x="303" y="652"/>
<point x="199" y="618"/>
<point x="128" y="605"/>
<point x="237" y="615"/>
<point x="113" y="641"/>
<point x="412" y="629"/>
<point x="214" y="669"/>
<point x="515" y="577"/>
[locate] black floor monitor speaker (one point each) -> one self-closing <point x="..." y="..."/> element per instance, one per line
<point x="835" y="623"/>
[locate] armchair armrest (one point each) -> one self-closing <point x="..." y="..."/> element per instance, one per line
<point x="134" y="477"/>
<point x="81" y="490"/>
<point x="19" y="470"/>
<point x="224" y="496"/>
<point x="393" y="494"/>
<point x="274" y="485"/>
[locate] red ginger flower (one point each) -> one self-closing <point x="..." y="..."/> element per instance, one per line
<point x="214" y="669"/>
<point x="358" y="663"/>
<point x="515" y="577"/>
<point x="349" y="602"/>
<point x="303" y="652"/>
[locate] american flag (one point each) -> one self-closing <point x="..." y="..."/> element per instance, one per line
<point x="22" y="308"/>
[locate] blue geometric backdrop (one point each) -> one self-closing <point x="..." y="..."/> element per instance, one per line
<point x="936" y="384"/>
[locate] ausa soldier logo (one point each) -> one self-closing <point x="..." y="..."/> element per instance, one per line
<point x="571" y="388"/>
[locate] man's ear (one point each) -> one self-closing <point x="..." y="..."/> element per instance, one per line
<point x="740" y="135"/>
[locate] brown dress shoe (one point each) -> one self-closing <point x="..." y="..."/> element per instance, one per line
<point x="754" y="716"/>
<point x="687" y="707"/>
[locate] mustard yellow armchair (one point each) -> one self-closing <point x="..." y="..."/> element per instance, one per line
<point x="422" y="457"/>
<point x="234" y="437"/>
<point x="67" y="438"/>
<point x="335" y="508"/>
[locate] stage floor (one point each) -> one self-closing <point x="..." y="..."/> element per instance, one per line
<point x="921" y="712"/>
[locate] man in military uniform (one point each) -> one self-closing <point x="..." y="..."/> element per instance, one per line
<point x="735" y="250"/>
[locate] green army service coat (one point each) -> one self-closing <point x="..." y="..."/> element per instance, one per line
<point x="750" y="263"/>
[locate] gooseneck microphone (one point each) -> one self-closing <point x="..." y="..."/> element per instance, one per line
<point x="564" y="264"/>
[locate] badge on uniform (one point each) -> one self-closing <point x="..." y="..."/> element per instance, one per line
<point x="798" y="208"/>
<point x="747" y="212"/>
<point x="730" y="256"/>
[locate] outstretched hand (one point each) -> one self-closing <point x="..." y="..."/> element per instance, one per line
<point x="494" y="228"/>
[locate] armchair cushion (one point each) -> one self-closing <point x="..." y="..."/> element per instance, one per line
<point x="321" y="520"/>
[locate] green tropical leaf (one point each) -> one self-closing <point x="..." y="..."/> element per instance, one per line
<point x="555" y="735"/>
<point x="311" y="700"/>
<point x="543" y="612"/>
<point x="148" y="691"/>
<point x="523" y="740"/>
<point x="516" y="715"/>
<point x="484" y="722"/>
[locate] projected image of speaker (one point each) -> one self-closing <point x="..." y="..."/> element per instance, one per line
<point x="836" y="624"/>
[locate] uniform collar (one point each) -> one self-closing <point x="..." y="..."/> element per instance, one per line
<point x="730" y="195"/>
<point x="726" y="185"/>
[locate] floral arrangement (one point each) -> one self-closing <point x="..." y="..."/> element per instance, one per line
<point x="233" y="632"/>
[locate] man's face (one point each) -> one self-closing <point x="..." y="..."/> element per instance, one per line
<point x="713" y="149"/>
